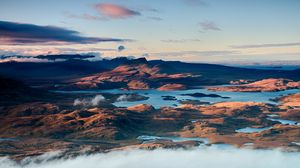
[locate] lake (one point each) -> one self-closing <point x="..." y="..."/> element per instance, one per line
<point x="156" y="99"/>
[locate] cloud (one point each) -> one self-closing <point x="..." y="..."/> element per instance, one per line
<point x="89" y="101"/>
<point x="4" y="51"/>
<point x="197" y="53"/>
<point x="29" y="51"/>
<point x="85" y="16"/>
<point x="90" y="56"/>
<point x="195" y="2"/>
<point x="148" y="9"/>
<point x="155" y="18"/>
<point x="145" y="55"/>
<point x="65" y="56"/>
<point x="180" y="40"/>
<point x="162" y="158"/>
<point x="209" y="25"/>
<point x="121" y="48"/>
<point x="115" y="11"/>
<point x="265" y="45"/>
<point x="125" y="97"/>
<point x="12" y="33"/>
<point x="21" y="59"/>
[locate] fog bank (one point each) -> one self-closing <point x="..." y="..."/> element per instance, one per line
<point x="196" y="158"/>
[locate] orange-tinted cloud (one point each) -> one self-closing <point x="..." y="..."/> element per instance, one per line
<point x="115" y="11"/>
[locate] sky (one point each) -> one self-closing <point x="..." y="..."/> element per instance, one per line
<point x="185" y="30"/>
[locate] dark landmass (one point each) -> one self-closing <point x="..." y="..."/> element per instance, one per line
<point x="173" y="72"/>
<point x="169" y="98"/>
<point x="204" y="95"/>
<point x="64" y="57"/>
<point x="193" y="102"/>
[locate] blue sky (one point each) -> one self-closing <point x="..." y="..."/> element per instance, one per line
<point x="188" y="30"/>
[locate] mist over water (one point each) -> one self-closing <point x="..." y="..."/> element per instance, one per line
<point x="163" y="158"/>
<point x="89" y="102"/>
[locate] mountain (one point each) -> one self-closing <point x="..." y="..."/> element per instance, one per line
<point x="54" y="72"/>
<point x="131" y="76"/>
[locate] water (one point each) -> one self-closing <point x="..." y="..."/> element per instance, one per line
<point x="147" y="138"/>
<point x="282" y="121"/>
<point x="252" y="130"/>
<point x="8" y="139"/>
<point x="296" y="143"/>
<point x="285" y="122"/>
<point x="156" y="99"/>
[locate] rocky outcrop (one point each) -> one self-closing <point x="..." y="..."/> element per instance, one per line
<point x="266" y="85"/>
<point x="30" y="109"/>
<point x="169" y="98"/>
<point x="290" y="100"/>
<point x="137" y="85"/>
<point x="133" y="76"/>
<point x="241" y="81"/>
<point x="172" y="86"/>
<point x="102" y="123"/>
<point x="290" y="107"/>
<point x="163" y="144"/>
<point x="193" y="102"/>
<point x="141" y="108"/>
<point x="203" y="95"/>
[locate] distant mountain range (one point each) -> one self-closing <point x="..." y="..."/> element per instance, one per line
<point x="50" y="73"/>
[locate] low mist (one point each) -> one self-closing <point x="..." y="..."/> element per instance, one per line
<point x="124" y="97"/>
<point x="163" y="158"/>
<point x="95" y="101"/>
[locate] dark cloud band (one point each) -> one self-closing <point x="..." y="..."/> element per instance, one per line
<point x="12" y="33"/>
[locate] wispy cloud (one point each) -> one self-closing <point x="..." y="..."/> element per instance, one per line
<point x="148" y="9"/>
<point x="265" y="45"/>
<point x="180" y="40"/>
<point x="49" y="58"/>
<point x="197" y="53"/>
<point x="115" y="11"/>
<point x="29" y="51"/>
<point x="195" y="2"/>
<point x="85" y="16"/>
<point x="12" y="33"/>
<point x="209" y="25"/>
<point x="155" y="18"/>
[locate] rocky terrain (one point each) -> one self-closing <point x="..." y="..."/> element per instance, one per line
<point x="266" y="85"/>
<point x="290" y="106"/>
<point x="132" y="77"/>
<point x="221" y="129"/>
<point x="33" y="128"/>
<point x="35" y="120"/>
